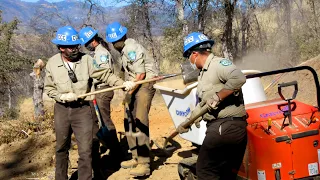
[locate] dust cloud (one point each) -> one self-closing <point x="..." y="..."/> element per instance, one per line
<point x="257" y="60"/>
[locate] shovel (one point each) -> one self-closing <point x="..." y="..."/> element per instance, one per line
<point x="162" y="142"/>
<point x="103" y="132"/>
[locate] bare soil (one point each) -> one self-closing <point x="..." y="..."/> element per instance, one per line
<point x="32" y="156"/>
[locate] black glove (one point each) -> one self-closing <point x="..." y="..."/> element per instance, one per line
<point x="127" y="99"/>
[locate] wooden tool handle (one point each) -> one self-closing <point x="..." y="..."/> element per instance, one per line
<point x="120" y="87"/>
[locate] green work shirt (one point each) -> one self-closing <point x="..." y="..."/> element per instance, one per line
<point x="136" y="60"/>
<point x="58" y="82"/>
<point x="103" y="58"/>
<point x="216" y="74"/>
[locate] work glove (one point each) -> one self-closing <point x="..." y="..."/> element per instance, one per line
<point x="129" y="85"/>
<point x="68" y="97"/>
<point x="127" y="99"/>
<point x="213" y="102"/>
<point x="181" y="129"/>
<point x="197" y="122"/>
<point x="196" y="111"/>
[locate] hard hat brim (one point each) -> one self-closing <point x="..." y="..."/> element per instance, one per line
<point x="85" y="42"/>
<point x="186" y="51"/>
<point x="111" y="40"/>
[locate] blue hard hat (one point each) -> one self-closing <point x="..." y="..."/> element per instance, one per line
<point x="115" y="31"/>
<point x="194" y="39"/>
<point x="66" y="35"/>
<point x="86" y="34"/>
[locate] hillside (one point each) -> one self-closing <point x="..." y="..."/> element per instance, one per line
<point x="42" y="13"/>
<point x="306" y="85"/>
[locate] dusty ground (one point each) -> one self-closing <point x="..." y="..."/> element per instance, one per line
<point x="32" y="156"/>
<point x="160" y="125"/>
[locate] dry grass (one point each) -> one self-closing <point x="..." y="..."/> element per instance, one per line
<point x="26" y="125"/>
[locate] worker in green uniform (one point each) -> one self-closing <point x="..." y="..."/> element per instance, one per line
<point x="138" y="65"/>
<point x="99" y="50"/>
<point x="68" y="75"/>
<point x="219" y="86"/>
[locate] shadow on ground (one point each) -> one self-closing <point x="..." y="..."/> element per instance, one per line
<point x="22" y="161"/>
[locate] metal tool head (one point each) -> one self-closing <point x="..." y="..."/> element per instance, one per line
<point x="166" y="145"/>
<point x="189" y="74"/>
<point x="170" y="75"/>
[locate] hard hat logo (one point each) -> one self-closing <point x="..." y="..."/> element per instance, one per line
<point x="113" y="35"/>
<point x="62" y="37"/>
<point x="188" y="40"/>
<point x="203" y="37"/>
<point x="74" y="38"/>
<point x="86" y="34"/>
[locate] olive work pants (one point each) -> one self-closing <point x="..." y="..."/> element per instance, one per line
<point x="138" y="139"/>
<point x="222" y="150"/>
<point x="73" y="117"/>
<point x="104" y="103"/>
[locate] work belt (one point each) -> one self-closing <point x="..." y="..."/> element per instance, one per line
<point x="102" y="86"/>
<point x="243" y="118"/>
<point x="75" y="104"/>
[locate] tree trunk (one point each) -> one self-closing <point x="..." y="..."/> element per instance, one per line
<point x="315" y="18"/>
<point x="149" y="33"/>
<point x="181" y="20"/>
<point x="244" y="30"/>
<point x="202" y="8"/>
<point x="38" y="85"/>
<point x="227" y="35"/>
<point x="287" y="14"/>
<point x="259" y="33"/>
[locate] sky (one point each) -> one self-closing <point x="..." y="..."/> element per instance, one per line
<point x="110" y="2"/>
<point x="38" y="0"/>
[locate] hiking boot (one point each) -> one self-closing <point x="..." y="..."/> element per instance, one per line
<point x="140" y="170"/>
<point x="129" y="164"/>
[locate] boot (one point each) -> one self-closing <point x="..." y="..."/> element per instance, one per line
<point x="141" y="170"/>
<point x="129" y="164"/>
